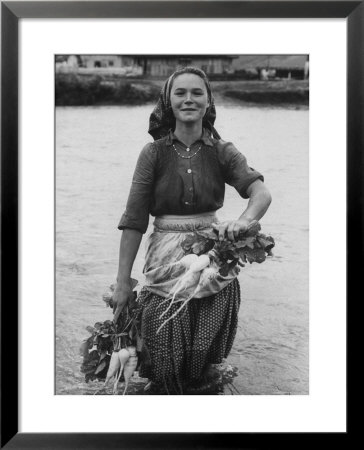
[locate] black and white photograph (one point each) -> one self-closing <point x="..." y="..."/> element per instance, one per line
<point x="180" y="192"/>
<point x="181" y="224"/>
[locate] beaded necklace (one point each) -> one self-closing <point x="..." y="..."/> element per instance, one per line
<point x="186" y="157"/>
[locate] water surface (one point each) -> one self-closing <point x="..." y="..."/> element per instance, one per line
<point x="96" y="152"/>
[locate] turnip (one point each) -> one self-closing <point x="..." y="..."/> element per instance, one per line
<point x="130" y="366"/>
<point x="207" y="275"/>
<point x="113" y="366"/>
<point x="187" y="260"/>
<point x="132" y="350"/>
<point x="202" y="262"/>
<point x="123" y="356"/>
<point x="204" y="277"/>
<point x="189" y="279"/>
<point x="193" y="263"/>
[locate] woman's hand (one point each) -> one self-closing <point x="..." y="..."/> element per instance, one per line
<point x="231" y="228"/>
<point x="129" y="245"/>
<point x="122" y="294"/>
<point x="259" y="201"/>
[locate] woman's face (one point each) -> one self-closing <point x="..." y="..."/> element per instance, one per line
<point x="189" y="99"/>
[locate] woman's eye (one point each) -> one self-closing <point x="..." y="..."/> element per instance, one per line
<point x="180" y="93"/>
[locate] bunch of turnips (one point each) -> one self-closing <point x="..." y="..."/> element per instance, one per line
<point x="206" y="258"/>
<point x="111" y="352"/>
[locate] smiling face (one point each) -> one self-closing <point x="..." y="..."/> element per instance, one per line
<point x="189" y="98"/>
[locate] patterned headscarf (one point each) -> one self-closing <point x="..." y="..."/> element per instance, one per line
<point x="162" y="119"/>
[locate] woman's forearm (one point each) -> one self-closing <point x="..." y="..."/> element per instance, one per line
<point x="259" y="201"/>
<point x="129" y="246"/>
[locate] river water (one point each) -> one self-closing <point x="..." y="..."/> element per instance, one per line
<point x="96" y="151"/>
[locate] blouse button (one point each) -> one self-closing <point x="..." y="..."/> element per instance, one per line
<point x="187" y="149"/>
<point x="190" y="189"/>
<point x="186" y="203"/>
<point x="189" y="170"/>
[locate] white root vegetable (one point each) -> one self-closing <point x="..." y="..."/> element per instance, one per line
<point x="113" y="366"/>
<point x="194" y="264"/>
<point x="207" y="275"/>
<point x="132" y="350"/>
<point x="188" y="280"/>
<point x="202" y="262"/>
<point x="191" y="277"/>
<point x="184" y="262"/>
<point x="130" y="367"/>
<point x="187" y="260"/>
<point x="123" y="356"/>
<point x="203" y="277"/>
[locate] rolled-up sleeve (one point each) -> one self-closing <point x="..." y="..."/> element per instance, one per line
<point x="237" y="173"/>
<point x="136" y="214"/>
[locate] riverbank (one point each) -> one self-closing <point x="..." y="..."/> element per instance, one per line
<point x="78" y="90"/>
<point x="272" y="92"/>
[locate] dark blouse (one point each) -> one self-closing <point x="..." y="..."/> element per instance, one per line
<point x="167" y="180"/>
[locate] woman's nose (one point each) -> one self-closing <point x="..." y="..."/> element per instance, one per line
<point x="188" y="98"/>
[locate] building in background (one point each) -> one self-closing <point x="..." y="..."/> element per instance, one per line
<point x="67" y="63"/>
<point x="272" y="66"/>
<point x="107" y="61"/>
<point x="165" y="65"/>
<point x="153" y="66"/>
<point x="161" y="65"/>
<point x="264" y="67"/>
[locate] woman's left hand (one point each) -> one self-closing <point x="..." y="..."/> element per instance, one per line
<point x="231" y="228"/>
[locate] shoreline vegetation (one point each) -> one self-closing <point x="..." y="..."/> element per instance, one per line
<point x="96" y="90"/>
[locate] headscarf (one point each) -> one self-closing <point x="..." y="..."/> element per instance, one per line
<point x="162" y="118"/>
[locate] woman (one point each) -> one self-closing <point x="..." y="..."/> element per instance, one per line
<point x="180" y="179"/>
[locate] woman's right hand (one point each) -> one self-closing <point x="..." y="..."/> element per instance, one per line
<point x="122" y="293"/>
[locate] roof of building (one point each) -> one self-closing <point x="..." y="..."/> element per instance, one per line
<point x="195" y="56"/>
<point x="271" y="61"/>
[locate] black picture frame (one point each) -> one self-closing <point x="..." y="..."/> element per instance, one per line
<point x="11" y="13"/>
